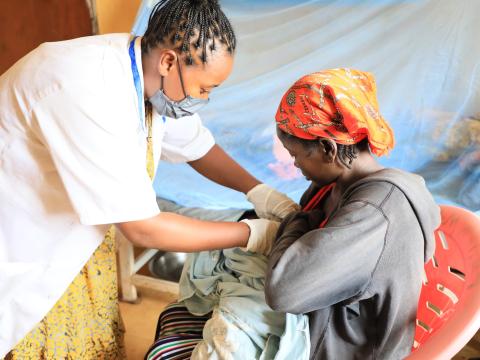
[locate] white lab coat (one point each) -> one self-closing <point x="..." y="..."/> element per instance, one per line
<point x="72" y="161"/>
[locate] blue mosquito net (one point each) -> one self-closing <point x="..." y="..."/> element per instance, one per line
<point x="425" y="55"/>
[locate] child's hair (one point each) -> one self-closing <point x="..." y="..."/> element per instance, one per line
<point x="197" y="26"/>
<point x="346" y="153"/>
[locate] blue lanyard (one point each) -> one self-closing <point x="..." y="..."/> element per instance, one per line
<point x="136" y="81"/>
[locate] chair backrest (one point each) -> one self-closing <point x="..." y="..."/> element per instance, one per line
<point x="448" y="312"/>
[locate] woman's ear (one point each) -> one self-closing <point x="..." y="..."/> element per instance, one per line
<point x="329" y="149"/>
<point x="166" y="62"/>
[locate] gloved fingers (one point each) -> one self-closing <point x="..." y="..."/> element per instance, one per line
<point x="262" y="235"/>
<point x="270" y="203"/>
<point x="284" y="208"/>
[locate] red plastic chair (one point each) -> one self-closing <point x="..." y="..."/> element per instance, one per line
<point x="448" y="313"/>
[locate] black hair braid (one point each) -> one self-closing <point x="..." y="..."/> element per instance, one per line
<point x="191" y="27"/>
<point x="213" y="32"/>
<point x="175" y="19"/>
<point x="203" y="37"/>
<point x="346" y="154"/>
<point x="225" y="24"/>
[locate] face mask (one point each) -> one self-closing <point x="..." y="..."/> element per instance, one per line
<point x="176" y="109"/>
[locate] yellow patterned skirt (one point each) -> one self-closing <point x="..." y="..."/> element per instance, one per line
<point x="85" y="323"/>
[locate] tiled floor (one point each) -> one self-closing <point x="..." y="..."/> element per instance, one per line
<point x="141" y="319"/>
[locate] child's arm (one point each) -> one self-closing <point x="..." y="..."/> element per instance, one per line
<point x="325" y="266"/>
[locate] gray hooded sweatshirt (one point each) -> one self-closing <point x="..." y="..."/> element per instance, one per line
<point x="359" y="277"/>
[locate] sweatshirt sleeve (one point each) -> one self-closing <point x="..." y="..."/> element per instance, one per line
<point x="312" y="270"/>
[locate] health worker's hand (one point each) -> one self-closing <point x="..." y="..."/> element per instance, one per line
<point x="262" y="235"/>
<point x="271" y="204"/>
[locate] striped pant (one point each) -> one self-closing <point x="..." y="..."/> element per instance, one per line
<point x="177" y="334"/>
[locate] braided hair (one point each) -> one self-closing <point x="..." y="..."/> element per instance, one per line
<point x="348" y="153"/>
<point x="193" y="28"/>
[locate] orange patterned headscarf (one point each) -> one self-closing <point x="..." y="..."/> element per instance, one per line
<point x="339" y="104"/>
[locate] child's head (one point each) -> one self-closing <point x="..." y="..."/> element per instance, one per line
<point x="195" y="41"/>
<point x="327" y="119"/>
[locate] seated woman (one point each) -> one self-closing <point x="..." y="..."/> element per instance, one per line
<point x="353" y="259"/>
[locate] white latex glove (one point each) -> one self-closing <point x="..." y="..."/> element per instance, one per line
<point x="271" y="204"/>
<point x="262" y="235"/>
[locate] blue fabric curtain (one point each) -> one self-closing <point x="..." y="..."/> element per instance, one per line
<point x="424" y="54"/>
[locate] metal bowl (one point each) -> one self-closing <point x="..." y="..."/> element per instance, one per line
<point x="167" y="265"/>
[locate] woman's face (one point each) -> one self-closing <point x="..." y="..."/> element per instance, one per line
<point x="198" y="79"/>
<point x="316" y="163"/>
